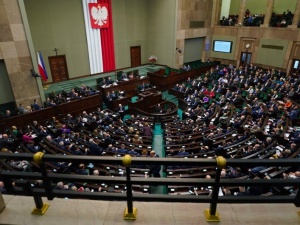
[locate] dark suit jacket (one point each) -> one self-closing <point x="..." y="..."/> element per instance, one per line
<point x="95" y="149"/>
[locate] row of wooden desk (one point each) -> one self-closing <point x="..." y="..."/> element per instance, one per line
<point x="73" y="107"/>
<point x="129" y="87"/>
<point x="163" y="82"/>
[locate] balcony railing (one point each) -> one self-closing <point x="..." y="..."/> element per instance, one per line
<point x="19" y="183"/>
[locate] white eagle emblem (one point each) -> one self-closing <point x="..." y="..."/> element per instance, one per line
<point x="99" y="15"/>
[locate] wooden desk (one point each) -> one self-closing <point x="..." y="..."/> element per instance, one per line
<point x="74" y="107"/>
<point x="148" y="99"/>
<point x="129" y="87"/>
<point x="113" y="105"/>
<point x="164" y="83"/>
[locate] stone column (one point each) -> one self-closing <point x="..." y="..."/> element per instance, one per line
<point x="16" y="55"/>
<point x="296" y="18"/>
<point x="242" y="12"/>
<point x="215" y="18"/>
<point x="268" y="13"/>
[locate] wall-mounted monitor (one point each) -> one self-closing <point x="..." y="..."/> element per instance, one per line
<point x="222" y="46"/>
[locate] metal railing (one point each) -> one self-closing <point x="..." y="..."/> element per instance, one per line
<point x="22" y="181"/>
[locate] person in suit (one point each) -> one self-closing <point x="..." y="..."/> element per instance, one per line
<point x="182" y="152"/>
<point x="81" y="170"/>
<point x="94" y="149"/>
<point x="122" y="150"/>
<point x="133" y="152"/>
<point x="124" y="76"/>
<point x="294" y="114"/>
<point x="35" y="105"/>
<point x="121" y="111"/>
<point x="113" y="95"/>
<point x="21" y="108"/>
<point x="154" y="169"/>
<point x="109" y="80"/>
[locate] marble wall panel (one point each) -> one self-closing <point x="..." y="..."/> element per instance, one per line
<point x="25" y="63"/>
<point x="8" y="50"/>
<point x="5" y="34"/>
<point x="13" y="11"/>
<point x="3" y="15"/>
<point x="22" y="48"/>
<point x="18" y="32"/>
<point x="12" y="65"/>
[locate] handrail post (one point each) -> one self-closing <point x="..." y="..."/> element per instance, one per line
<point x="41" y="208"/>
<point x="211" y="214"/>
<point x="130" y="212"/>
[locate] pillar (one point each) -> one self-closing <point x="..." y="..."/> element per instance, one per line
<point x="215" y="19"/>
<point x="296" y="18"/>
<point x="242" y="12"/>
<point x="268" y="13"/>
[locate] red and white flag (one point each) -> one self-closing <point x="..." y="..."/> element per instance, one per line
<point x="100" y="42"/>
<point x="41" y="66"/>
<point x="99" y="15"/>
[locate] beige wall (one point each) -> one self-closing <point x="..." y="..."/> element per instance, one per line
<point x="255" y="34"/>
<point x="161" y="31"/>
<point x="281" y="6"/>
<point x="193" y="48"/>
<point x="258" y="6"/>
<point x="130" y="18"/>
<point x="193" y="10"/>
<point x="271" y="56"/>
<point x="59" y="24"/>
<point x="234" y="7"/>
<point x="149" y="24"/>
<point x="14" y="51"/>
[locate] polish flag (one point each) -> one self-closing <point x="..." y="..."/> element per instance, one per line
<point x="100" y="42"/>
<point x="41" y="67"/>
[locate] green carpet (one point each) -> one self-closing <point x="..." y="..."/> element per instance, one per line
<point x="158" y="146"/>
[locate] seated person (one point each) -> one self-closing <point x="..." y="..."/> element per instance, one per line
<point x="131" y="76"/>
<point x="184" y="68"/>
<point x="7" y="114"/>
<point x="114" y="95"/>
<point x="21" y="108"/>
<point x="35" y="105"/>
<point x="31" y="147"/>
<point x="124" y="76"/>
<point x="109" y="80"/>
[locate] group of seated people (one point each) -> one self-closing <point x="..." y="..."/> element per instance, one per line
<point x="283" y="20"/>
<point x="263" y="122"/>
<point x="229" y="21"/>
<point x="106" y="81"/>
<point x="98" y="133"/>
<point x="53" y="100"/>
<point x="251" y="19"/>
<point x="123" y="76"/>
<point x="23" y="110"/>
<point x="186" y="68"/>
<point x="261" y="127"/>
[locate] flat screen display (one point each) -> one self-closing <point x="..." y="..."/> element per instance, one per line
<point x="222" y="46"/>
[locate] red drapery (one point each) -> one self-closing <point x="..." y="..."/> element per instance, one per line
<point x="107" y="42"/>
